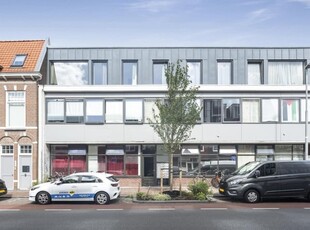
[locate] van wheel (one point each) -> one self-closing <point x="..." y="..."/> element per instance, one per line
<point x="251" y="196"/>
<point x="102" y="198"/>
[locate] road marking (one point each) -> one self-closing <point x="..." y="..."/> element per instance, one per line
<point x="9" y="210"/>
<point x="213" y="209"/>
<point x="161" y="209"/>
<point x="266" y="208"/>
<point x="57" y="210"/>
<point x="112" y="209"/>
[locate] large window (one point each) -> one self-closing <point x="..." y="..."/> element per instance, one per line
<point x="130" y="72"/>
<point x="224" y="72"/>
<point x="290" y="110"/>
<point x="69" y="73"/>
<point x="149" y="105"/>
<point x="159" y="68"/>
<point x="55" y="110"/>
<point x="74" y="111"/>
<point x="94" y="111"/>
<point x="100" y="73"/>
<point x="231" y="109"/>
<point x="194" y="71"/>
<point x="16" y="115"/>
<point x="250" y="110"/>
<point x="133" y="110"/>
<point x="212" y="110"/>
<point x="270" y="110"/>
<point x="285" y="73"/>
<point x="254" y="73"/>
<point x="114" y="111"/>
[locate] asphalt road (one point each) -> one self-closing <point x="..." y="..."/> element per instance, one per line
<point x="19" y="213"/>
<point x="156" y="218"/>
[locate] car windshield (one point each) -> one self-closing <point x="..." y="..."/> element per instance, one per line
<point x="245" y="169"/>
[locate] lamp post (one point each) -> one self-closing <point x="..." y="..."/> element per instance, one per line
<point x="307" y="67"/>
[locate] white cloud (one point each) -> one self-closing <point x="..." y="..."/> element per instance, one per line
<point x="153" y="5"/>
<point x="260" y="15"/>
<point x="306" y="2"/>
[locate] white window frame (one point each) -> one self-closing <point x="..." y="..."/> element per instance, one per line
<point x="291" y="117"/>
<point x="134" y="115"/>
<point x="12" y="103"/>
<point x="111" y="116"/>
<point x="194" y="72"/>
<point x="222" y="69"/>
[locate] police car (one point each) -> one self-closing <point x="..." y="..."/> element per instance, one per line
<point x="98" y="187"/>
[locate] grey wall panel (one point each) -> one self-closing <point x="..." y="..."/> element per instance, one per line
<point x="86" y="53"/>
<point x="249" y="53"/>
<point x="79" y="54"/>
<point x="212" y="68"/>
<point x="307" y="53"/>
<point x="270" y="54"/>
<point x="293" y="54"/>
<point x="233" y="54"/>
<point x="285" y="54"/>
<point x="94" y="54"/>
<point x="218" y="133"/>
<point x="219" y="54"/>
<point x="263" y="54"/>
<point x="300" y="54"/>
<point x="56" y="54"/>
<point x="241" y="75"/>
<point x="101" y="54"/>
<point x="256" y="54"/>
<point x="205" y="71"/>
<point x="227" y="53"/>
<point x="259" y="133"/>
<point x="71" y="54"/>
<point x="278" y="54"/>
<point x="291" y="132"/>
<point x="115" y="77"/>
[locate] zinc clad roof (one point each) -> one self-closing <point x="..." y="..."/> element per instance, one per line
<point x="9" y="50"/>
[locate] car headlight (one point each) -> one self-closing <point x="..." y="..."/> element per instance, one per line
<point x="234" y="182"/>
<point x="34" y="188"/>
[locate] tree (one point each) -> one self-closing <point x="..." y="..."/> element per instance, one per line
<point x="177" y="114"/>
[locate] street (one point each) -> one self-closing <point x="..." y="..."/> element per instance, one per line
<point x="19" y="213"/>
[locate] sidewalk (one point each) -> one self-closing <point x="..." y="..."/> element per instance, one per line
<point x="125" y="191"/>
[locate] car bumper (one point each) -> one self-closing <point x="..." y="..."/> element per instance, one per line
<point x="231" y="191"/>
<point x="3" y="191"/>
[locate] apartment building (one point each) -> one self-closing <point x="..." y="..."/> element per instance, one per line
<point x="21" y="69"/>
<point x="96" y="101"/>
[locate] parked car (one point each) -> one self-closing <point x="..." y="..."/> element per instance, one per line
<point x="3" y="189"/>
<point x="256" y="180"/>
<point x="98" y="187"/>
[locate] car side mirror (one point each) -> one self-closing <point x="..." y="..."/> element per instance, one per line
<point x="257" y="173"/>
<point x="58" y="182"/>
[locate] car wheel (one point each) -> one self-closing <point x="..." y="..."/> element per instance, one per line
<point x="252" y="196"/>
<point x="43" y="198"/>
<point x="102" y="198"/>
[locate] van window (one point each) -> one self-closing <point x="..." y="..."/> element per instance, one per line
<point x="267" y="169"/>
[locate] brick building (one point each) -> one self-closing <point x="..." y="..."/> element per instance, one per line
<point x="21" y="69"/>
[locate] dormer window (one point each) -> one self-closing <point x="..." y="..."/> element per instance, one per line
<point x="19" y="60"/>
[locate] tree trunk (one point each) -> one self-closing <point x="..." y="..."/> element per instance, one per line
<point x="171" y="171"/>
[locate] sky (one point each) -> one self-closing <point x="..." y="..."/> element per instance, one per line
<point x="158" y="23"/>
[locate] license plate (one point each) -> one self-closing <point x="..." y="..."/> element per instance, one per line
<point x="222" y="190"/>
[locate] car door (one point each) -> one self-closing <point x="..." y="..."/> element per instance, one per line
<point x="66" y="189"/>
<point x="88" y="187"/>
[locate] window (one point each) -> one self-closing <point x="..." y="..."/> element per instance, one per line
<point x="100" y="73"/>
<point x="19" y="60"/>
<point x="231" y="109"/>
<point x="267" y="169"/>
<point x="212" y="110"/>
<point x="194" y="71"/>
<point x="159" y="68"/>
<point x="7" y="149"/>
<point x="114" y="111"/>
<point x="303" y="110"/>
<point x="25" y="149"/>
<point x="69" y="73"/>
<point x="16" y="115"/>
<point x="285" y="73"/>
<point x="74" y="112"/>
<point x="94" y="111"/>
<point x="290" y="110"/>
<point x="224" y="72"/>
<point x="55" y="110"/>
<point x="270" y="110"/>
<point x="130" y="72"/>
<point x="254" y="74"/>
<point x="149" y="105"/>
<point x="134" y="110"/>
<point x="250" y="110"/>
<point x="264" y="153"/>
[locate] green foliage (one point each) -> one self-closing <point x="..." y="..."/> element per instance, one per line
<point x="161" y="197"/>
<point x="200" y="189"/>
<point x="143" y="196"/>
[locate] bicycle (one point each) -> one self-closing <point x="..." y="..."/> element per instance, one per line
<point x="55" y="177"/>
<point x="215" y="181"/>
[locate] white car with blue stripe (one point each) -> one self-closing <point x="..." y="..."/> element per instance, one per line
<point x="98" y="187"/>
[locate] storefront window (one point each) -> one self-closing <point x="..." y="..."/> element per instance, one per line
<point x="115" y="159"/>
<point x="283" y="152"/>
<point x="246" y="153"/>
<point x="264" y="153"/>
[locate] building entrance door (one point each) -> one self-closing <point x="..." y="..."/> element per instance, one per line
<point x="25" y="170"/>
<point x="7" y="171"/>
<point x="149" y="171"/>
